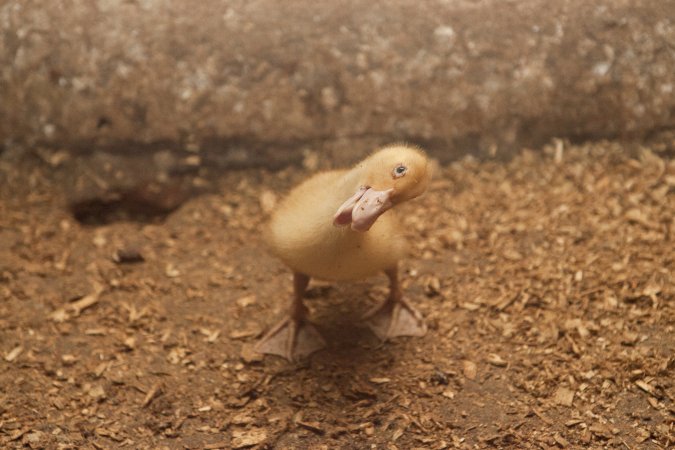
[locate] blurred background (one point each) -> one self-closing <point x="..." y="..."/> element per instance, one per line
<point x="253" y="82"/>
<point x="174" y="87"/>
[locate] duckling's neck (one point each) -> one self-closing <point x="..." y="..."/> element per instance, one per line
<point x="353" y="180"/>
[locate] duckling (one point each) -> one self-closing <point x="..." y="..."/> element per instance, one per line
<point x="336" y="226"/>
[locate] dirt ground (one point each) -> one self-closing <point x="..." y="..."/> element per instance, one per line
<point x="546" y="282"/>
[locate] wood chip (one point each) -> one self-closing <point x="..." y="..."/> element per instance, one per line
<point x="127" y="256"/>
<point x="396" y="435"/>
<point x="213" y="336"/>
<point x="380" y="380"/>
<point x="563" y="396"/>
<point x="310" y="160"/>
<point x="469" y="306"/>
<point x="171" y="271"/>
<point x="87" y="301"/>
<point x="470" y="369"/>
<point x="155" y="390"/>
<point x="102" y="367"/>
<point x="645" y="386"/>
<point x="268" y="200"/>
<point x="14" y="353"/>
<point x="640" y="217"/>
<point x="573" y="422"/>
<point x="506" y="301"/>
<point x="74" y="309"/>
<point x="601" y="430"/>
<point x="448" y="394"/>
<point x="543" y="418"/>
<point x="249" y="355"/>
<point x="654" y="402"/>
<point x="216" y="445"/>
<point x="242" y="419"/>
<point x="17" y="434"/>
<point x="246" y="300"/>
<point x="95" y="332"/>
<point x="243" y="334"/>
<point x="68" y="360"/>
<point x="248" y="438"/>
<point x="496" y="360"/>
<point x="129" y="343"/>
<point x="574" y="346"/>
<point x="561" y="440"/>
<point x="314" y="427"/>
<point x="97" y="392"/>
<point x="512" y="255"/>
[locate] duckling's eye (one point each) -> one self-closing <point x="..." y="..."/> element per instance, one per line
<point x="399" y="171"/>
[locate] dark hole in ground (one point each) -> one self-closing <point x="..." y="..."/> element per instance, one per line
<point x="103" y="122"/>
<point x="101" y="212"/>
<point x="147" y="203"/>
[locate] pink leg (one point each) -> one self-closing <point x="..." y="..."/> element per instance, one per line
<point x="395" y="316"/>
<point x="294" y="336"/>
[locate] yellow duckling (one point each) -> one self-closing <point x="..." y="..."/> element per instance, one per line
<point x="333" y="226"/>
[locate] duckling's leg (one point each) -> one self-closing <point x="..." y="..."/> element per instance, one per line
<point x="294" y="336"/>
<point x="395" y="317"/>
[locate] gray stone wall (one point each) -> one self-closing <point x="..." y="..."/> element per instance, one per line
<point x="455" y="75"/>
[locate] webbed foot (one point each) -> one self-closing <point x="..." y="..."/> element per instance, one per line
<point x="292" y="339"/>
<point x="395" y="318"/>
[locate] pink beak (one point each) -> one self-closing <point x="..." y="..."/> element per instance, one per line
<point x="363" y="208"/>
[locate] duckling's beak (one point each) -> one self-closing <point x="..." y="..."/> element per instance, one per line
<point x="363" y="208"/>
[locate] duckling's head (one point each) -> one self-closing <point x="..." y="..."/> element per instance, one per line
<point x="403" y="169"/>
<point x="389" y="176"/>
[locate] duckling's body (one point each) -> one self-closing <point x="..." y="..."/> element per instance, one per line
<point x="336" y="226"/>
<point x="309" y="243"/>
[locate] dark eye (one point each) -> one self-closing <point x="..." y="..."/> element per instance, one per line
<point x="399" y="171"/>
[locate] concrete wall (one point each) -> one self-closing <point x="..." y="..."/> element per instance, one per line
<point x="455" y="75"/>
